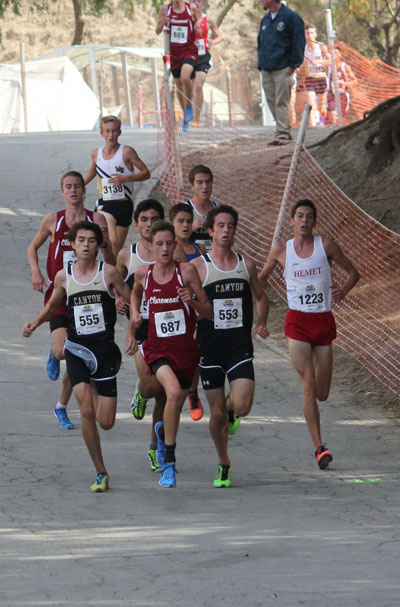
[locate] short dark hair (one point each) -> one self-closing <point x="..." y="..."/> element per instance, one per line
<point x="180" y="207"/>
<point x="304" y="203"/>
<point x="72" y="174"/>
<point x="199" y="168"/>
<point x="86" y="225"/>
<point x="146" y="205"/>
<point x="161" y="226"/>
<point x="223" y="208"/>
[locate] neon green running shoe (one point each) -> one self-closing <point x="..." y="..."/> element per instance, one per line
<point x="101" y="483"/>
<point x="154" y="465"/>
<point x="233" y="421"/>
<point x="223" y="478"/>
<point x="139" y="403"/>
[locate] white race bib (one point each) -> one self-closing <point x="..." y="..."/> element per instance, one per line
<point x="311" y="298"/>
<point x="201" y="46"/>
<point x="179" y="34"/>
<point x="89" y="319"/>
<point x="111" y="191"/>
<point x="68" y="256"/>
<point x="170" y="323"/>
<point x="228" y="313"/>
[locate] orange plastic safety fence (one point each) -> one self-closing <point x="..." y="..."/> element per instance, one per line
<point x="374" y="83"/>
<point x="250" y="174"/>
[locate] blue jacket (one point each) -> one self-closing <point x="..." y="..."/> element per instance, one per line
<point x="281" y="41"/>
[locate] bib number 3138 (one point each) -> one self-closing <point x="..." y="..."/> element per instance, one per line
<point x="111" y="191"/>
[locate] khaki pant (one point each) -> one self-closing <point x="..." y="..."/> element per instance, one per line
<point x="277" y="86"/>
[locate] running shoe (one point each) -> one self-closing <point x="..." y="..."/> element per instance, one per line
<point x="52" y="365"/>
<point x="152" y="456"/>
<point x="323" y="457"/>
<point x="196" y="123"/>
<point x="185" y="125"/>
<point x="63" y="420"/>
<point x="101" y="483"/>
<point x="168" y="475"/>
<point x="223" y="478"/>
<point x="139" y="403"/>
<point x="160" y="452"/>
<point x="195" y="406"/>
<point x="189" y="113"/>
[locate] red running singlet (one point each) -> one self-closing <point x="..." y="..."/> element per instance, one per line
<point x="171" y="326"/>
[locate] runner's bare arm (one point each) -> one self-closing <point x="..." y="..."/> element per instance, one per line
<point x="262" y="303"/>
<point x="51" y="307"/>
<point x="45" y="232"/>
<point x="191" y="280"/>
<point x="275" y="256"/>
<point x="196" y="15"/>
<point x="200" y="266"/>
<point x="116" y="282"/>
<point x="121" y="304"/>
<point x="91" y="173"/>
<point x="136" y="297"/>
<point x="135" y="316"/>
<point x="131" y="160"/>
<point x="335" y="253"/>
<point x="106" y="248"/>
<point x="213" y="27"/>
<point x="162" y="20"/>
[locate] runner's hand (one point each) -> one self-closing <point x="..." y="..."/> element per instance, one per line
<point x="121" y="305"/>
<point x="260" y="330"/>
<point x="28" y="329"/>
<point x="185" y="294"/>
<point x="131" y="345"/>
<point x="38" y="282"/>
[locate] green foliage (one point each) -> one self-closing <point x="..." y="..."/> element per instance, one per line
<point x="15" y="5"/>
<point x="370" y="26"/>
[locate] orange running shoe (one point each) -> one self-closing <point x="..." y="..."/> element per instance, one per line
<point x="323" y="457"/>
<point x="196" y="123"/>
<point x="195" y="406"/>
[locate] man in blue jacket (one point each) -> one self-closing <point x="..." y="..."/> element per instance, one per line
<point x="280" y="46"/>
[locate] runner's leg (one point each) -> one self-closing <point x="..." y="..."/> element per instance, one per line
<point x="301" y="354"/>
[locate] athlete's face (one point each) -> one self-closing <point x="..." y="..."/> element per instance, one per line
<point x="163" y="246"/>
<point x="110" y="131"/>
<point x="145" y="221"/>
<point x="73" y="190"/>
<point x="199" y="4"/>
<point x="303" y="221"/>
<point x="183" y="223"/>
<point x="202" y="186"/>
<point x="85" y="245"/>
<point x="311" y="34"/>
<point x="223" y="232"/>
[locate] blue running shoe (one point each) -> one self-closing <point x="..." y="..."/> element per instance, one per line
<point x="189" y="113"/>
<point x="185" y="125"/>
<point x="168" y="475"/>
<point x="52" y="365"/>
<point x="63" y="419"/>
<point x="160" y="444"/>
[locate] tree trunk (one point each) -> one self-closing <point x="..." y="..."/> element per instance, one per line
<point x="79" y="22"/>
<point x="224" y="12"/>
